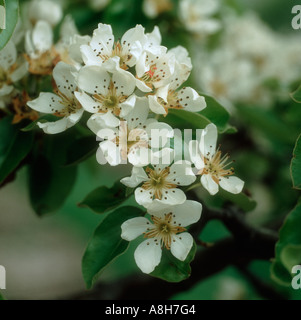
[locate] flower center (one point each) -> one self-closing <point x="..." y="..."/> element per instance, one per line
<point x="111" y="101"/>
<point x="158" y="182"/>
<point x="149" y="76"/>
<point x="163" y="229"/>
<point x="217" y="165"/>
<point x="70" y="105"/>
<point x="173" y="102"/>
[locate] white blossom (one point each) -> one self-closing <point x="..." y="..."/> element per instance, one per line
<point x="107" y="95"/>
<point x="160" y="181"/>
<point x="62" y="104"/>
<point x="10" y="70"/>
<point x="212" y="166"/>
<point x="153" y="8"/>
<point x="197" y="15"/>
<point x="104" y="50"/>
<point x="167" y="228"/>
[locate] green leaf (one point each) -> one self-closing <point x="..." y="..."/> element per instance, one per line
<point x="241" y="200"/>
<point x="296" y="165"/>
<point x="81" y="149"/>
<point x="1" y="297"/>
<point x="214" y="112"/>
<point x="12" y="15"/>
<point x="288" y="247"/>
<point x="296" y="95"/>
<point x="14" y="146"/>
<point x="49" y="182"/>
<point x="46" y="118"/>
<point x="103" y="199"/>
<point x="267" y="122"/>
<point x="173" y="270"/>
<point x="106" y="243"/>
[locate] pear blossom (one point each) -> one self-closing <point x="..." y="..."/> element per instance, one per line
<point x="197" y="15"/>
<point x="160" y="180"/>
<point x="11" y="70"/>
<point x="154" y="68"/>
<point x="49" y="11"/>
<point x="107" y="95"/>
<point x="211" y="165"/>
<point x="63" y="104"/>
<point x="170" y="96"/>
<point x="167" y="228"/>
<point x="120" y="54"/>
<point x="41" y="54"/>
<point x="134" y="138"/>
<point x="153" y="8"/>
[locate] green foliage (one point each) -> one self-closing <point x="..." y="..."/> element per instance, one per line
<point x="296" y="165"/>
<point x="172" y="269"/>
<point x="81" y="149"/>
<point x="214" y="112"/>
<point x="12" y="15"/>
<point x="104" y="199"/>
<point x="14" y="148"/>
<point x="296" y="95"/>
<point x="288" y="248"/>
<point x="106" y="243"/>
<point x="49" y="182"/>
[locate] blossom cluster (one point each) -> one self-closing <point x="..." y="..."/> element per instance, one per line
<point x="125" y="86"/>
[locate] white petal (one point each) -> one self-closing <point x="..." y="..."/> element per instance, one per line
<point x="54" y="127"/>
<point x="191" y="100"/>
<point x="208" y="140"/>
<point x="8" y="55"/>
<point x="138" y="115"/>
<point x="143" y="197"/>
<point x="94" y="79"/>
<point x="138" y="176"/>
<point x="139" y="157"/>
<point x="160" y="134"/>
<point x="231" y="184"/>
<point x="20" y="72"/>
<point x="87" y="102"/>
<point x="102" y="40"/>
<point x="47" y="103"/>
<point x="142" y="86"/>
<point x="127" y="106"/>
<point x="64" y="76"/>
<point x="155" y="106"/>
<point x="73" y="118"/>
<point x="89" y="57"/>
<point x="195" y="156"/>
<point x="4" y="90"/>
<point x="42" y="36"/>
<point x="209" y="184"/>
<point x="169" y="196"/>
<point x="133" y="228"/>
<point x="181" y="245"/>
<point x="187" y="213"/>
<point x="148" y="255"/>
<point x="181" y="173"/>
<point x="124" y="82"/>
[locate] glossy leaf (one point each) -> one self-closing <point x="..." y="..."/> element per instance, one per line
<point x="49" y="182"/>
<point x="241" y="200"/>
<point x="81" y="149"/>
<point x="288" y="247"/>
<point x="172" y="269"/>
<point x="106" y="243"/>
<point x="103" y="199"/>
<point x="14" y="146"/>
<point x="12" y="15"/>
<point x="296" y="165"/>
